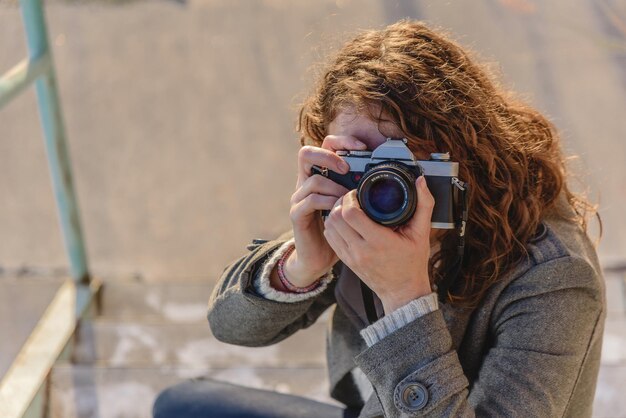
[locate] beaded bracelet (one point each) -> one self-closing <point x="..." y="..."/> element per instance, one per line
<point x="283" y="278"/>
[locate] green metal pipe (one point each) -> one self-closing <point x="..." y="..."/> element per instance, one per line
<point x="56" y="148"/>
<point x="21" y="76"/>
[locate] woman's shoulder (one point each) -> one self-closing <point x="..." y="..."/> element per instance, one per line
<point x="561" y="266"/>
<point x="560" y="236"/>
<point x="561" y="258"/>
<point x="565" y="247"/>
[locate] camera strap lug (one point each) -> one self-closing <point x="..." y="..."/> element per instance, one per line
<point x="463" y="190"/>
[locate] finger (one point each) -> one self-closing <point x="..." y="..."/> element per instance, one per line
<point x="420" y="223"/>
<point x="342" y="142"/>
<point x="337" y="243"/>
<point x="335" y="220"/>
<point x="308" y="156"/>
<point x="356" y="218"/>
<point x="310" y="204"/>
<point x="318" y="185"/>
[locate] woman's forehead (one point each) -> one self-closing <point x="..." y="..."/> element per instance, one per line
<point x="350" y="122"/>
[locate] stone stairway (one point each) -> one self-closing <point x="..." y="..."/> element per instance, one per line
<point x="144" y="337"/>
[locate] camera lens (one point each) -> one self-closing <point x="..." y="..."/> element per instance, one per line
<point x="387" y="193"/>
<point x="386" y="196"/>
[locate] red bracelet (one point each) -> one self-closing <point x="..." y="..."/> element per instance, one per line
<point x="283" y="278"/>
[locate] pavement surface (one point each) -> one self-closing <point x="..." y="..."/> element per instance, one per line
<point x="180" y="118"/>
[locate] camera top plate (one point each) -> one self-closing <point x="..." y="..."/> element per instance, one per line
<point x="393" y="149"/>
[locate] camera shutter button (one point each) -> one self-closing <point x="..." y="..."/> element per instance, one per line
<point x="440" y="156"/>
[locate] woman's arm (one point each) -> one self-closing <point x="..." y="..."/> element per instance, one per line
<point x="546" y="328"/>
<point x="239" y="315"/>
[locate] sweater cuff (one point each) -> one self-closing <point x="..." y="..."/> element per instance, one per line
<point x="399" y="318"/>
<point x="262" y="281"/>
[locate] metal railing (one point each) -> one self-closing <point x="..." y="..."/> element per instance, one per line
<point x="23" y="388"/>
<point x="39" y="68"/>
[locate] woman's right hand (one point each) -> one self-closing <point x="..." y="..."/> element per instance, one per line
<point x="313" y="257"/>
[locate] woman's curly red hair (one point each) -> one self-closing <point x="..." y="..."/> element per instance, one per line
<point x="443" y="101"/>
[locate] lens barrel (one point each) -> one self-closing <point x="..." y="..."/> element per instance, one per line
<point x="387" y="193"/>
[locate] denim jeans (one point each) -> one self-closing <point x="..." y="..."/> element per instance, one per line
<point x="210" y="398"/>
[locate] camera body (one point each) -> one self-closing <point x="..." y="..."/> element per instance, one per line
<point x="385" y="183"/>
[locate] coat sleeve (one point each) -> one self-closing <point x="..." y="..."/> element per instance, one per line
<point x="238" y="315"/>
<point x="543" y="326"/>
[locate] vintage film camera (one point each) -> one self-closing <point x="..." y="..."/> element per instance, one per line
<point x="385" y="183"/>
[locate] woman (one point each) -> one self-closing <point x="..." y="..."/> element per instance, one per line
<point x="514" y="330"/>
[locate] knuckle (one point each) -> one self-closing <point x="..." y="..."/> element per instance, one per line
<point x="294" y="213"/>
<point x="306" y="202"/>
<point x="305" y="189"/>
<point x="315" y="182"/>
<point x="315" y="199"/>
<point x="351" y="196"/>
<point x="305" y="152"/>
<point x="328" y="230"/>
<point x="350" y="212"/>
<point x="328" y="139"/>
<point x="335" y="215"/>
<point x="300" y="209"/>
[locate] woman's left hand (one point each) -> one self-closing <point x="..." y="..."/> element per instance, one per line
<point x="393" y="263"/>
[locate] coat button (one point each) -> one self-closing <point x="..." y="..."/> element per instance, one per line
<point x="415" y="396"/>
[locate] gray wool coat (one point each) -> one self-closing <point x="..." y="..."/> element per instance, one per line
<point x="530" y="349"/>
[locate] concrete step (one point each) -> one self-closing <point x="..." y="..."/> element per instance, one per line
<point x="174" y="302"/>
<point x="106" y="342"/>
<point x="165" y="301"/>
<point x="95" y="392"/>
<point x="168" y="302"/>
<point x="153" y="335"/>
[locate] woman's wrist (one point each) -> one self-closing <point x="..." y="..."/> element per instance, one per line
<point x="401" y="297"/>
<point x="296" y="274"/>
<point x="282" y="276"/>
<point x="286" y="275"/>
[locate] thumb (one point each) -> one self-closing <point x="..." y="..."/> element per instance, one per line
<point x="419" y="225"/>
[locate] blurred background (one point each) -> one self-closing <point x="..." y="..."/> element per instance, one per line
<point x="180" y="118"/>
